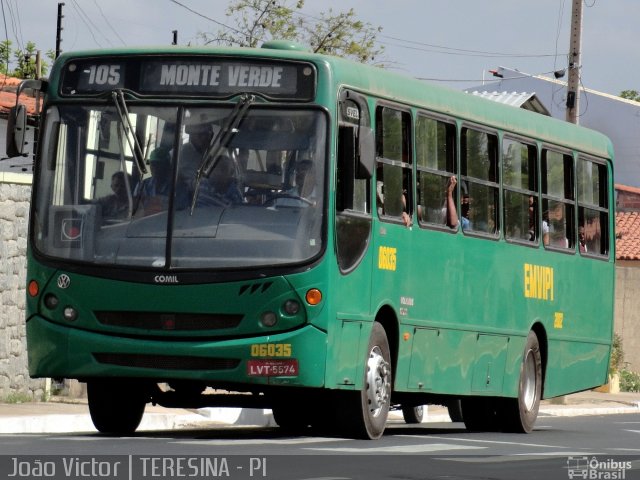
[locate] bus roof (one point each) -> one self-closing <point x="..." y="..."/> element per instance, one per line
<point x="398" y="88"/>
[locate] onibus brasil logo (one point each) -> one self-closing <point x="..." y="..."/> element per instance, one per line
<point x="593" y="468"/>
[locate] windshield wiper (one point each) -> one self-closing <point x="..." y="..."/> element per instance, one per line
<point x="224" y="135"/>
<point x="130" y="134"/>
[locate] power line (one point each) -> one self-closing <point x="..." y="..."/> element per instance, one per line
<point x="524" y="75"/>
<point x="88" y="23"/>
<point x="205" y="17"/>
<point x="469" y="53"/>
<point x="14" y="26"/>
<point x="6" y="36"/>
<point x="108" y="22"/>
<point x="464" y="51"/>
<point x="447" y="50"/>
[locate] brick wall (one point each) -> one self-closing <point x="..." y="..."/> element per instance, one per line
<point x="627" y="314"/>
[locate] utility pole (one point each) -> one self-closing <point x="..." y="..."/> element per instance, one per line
<point x="59" y="30"/>
<point x="575" y="43"/>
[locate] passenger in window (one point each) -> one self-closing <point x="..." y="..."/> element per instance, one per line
<point x="152" y="194"/>
<point x="224" y="189"/>
<point x="582" y="239"/>
<point x="117" y="205"/>
<point x="545" y="227"/>
<point x="554" y="229"/>
<point x="532" y="218"/>
<point x="380" y="195"/>
<point x="303" y="192"/>
<point x="192" y="152"/>
<point x="406" y="218"/>
<point x="452" y="213"/>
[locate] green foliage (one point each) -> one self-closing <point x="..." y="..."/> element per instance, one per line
<point x="629" y="381"/>
<point x="17" y="397"/>
<point x="340" y="34"/>
<point x="630" y="95"/>
<point x="24" y="59"/>
<point x="617" y="355"/>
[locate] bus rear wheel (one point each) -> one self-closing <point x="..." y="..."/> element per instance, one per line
<point x="364" y="413"/>
<point x="520" y="414"/>
<point x="413" y="414"/>
<point x="116" y="406"/>
<point x="480" y="414"/>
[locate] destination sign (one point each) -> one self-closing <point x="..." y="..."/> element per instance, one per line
<point x="190" y="76"/>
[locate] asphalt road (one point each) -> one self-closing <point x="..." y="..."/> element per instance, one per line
<point x="605" y="446"/>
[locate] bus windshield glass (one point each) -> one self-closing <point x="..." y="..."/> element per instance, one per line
<point x="223" y="187"/>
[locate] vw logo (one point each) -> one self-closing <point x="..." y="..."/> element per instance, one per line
<point x="64" y="281"/>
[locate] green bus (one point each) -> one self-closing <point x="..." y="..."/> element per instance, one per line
<point x="272" y="228"/>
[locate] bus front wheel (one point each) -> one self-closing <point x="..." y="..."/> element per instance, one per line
<point x="116" y="406"/>
<point x="519" y="414"/>
<point x="364" y="413"/>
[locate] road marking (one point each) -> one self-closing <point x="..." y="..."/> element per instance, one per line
<point x="262" y="441"/>
<point x="515" y="458"/>
<point x="422" y="448"/>
<point x="481" y="441"/>
<point x="632" y="431"/>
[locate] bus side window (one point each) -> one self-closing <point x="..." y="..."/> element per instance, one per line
<point x="435" y="159"/>
<point x="593" y="208"/>
<point x="557" y="200"/>
<point x="394" y="183"/>
<point x="479" y="181"/>
<point x="520" y="181"/>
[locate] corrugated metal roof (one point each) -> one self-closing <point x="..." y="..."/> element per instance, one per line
<point x="527" y="101"/>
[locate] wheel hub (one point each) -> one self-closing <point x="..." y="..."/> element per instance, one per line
<point x="378" y="381"/>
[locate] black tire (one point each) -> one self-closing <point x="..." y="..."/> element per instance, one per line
<point x="520" y="414"/>
<point x="455" y="411"/>
<point x="292" y="418"/>
<point x="364" y="414"/>
<point x="116" y="407"/>
<point x="413" y="414"/>
<point x="480" y="414"/>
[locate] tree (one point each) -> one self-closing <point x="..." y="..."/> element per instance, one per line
<point x="630" y="95"/>
<point x="25" y="60"/>
<point x="340" y="34"/>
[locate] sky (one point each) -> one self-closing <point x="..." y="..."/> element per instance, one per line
<point x="454" y="42"/>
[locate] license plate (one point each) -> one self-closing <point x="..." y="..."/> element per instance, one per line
<point x="272" y="368"/>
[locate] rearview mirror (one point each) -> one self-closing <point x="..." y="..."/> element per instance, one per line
<point x="16" y="131"/>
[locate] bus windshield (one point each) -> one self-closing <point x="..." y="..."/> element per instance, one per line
<point x="181" y="187"/>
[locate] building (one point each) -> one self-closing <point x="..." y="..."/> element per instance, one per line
<point x="614" y="116"/>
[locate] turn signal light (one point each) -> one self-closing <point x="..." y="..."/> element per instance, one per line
<point x="313" y="296"/>
<point x="33" y="288"/>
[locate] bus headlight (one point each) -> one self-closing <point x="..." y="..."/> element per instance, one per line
<point x="291" y="307"/>
<point x="51" y="301"/>
<point x="268" y="319"/>
<point x="70" y="314"/>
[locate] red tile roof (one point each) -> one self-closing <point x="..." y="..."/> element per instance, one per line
<point x="626" y="188"/>
<point x="628" y="236"/>
<point x="8" y="87"/>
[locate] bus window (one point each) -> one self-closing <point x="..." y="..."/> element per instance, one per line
<point x="393" y="170"/>
<point x="593" y="214"/>
<point x="435" y="161"/>
<point x="520" y="191"/>
<point x="557" y="200"/>
<point x="479" y="186"/>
